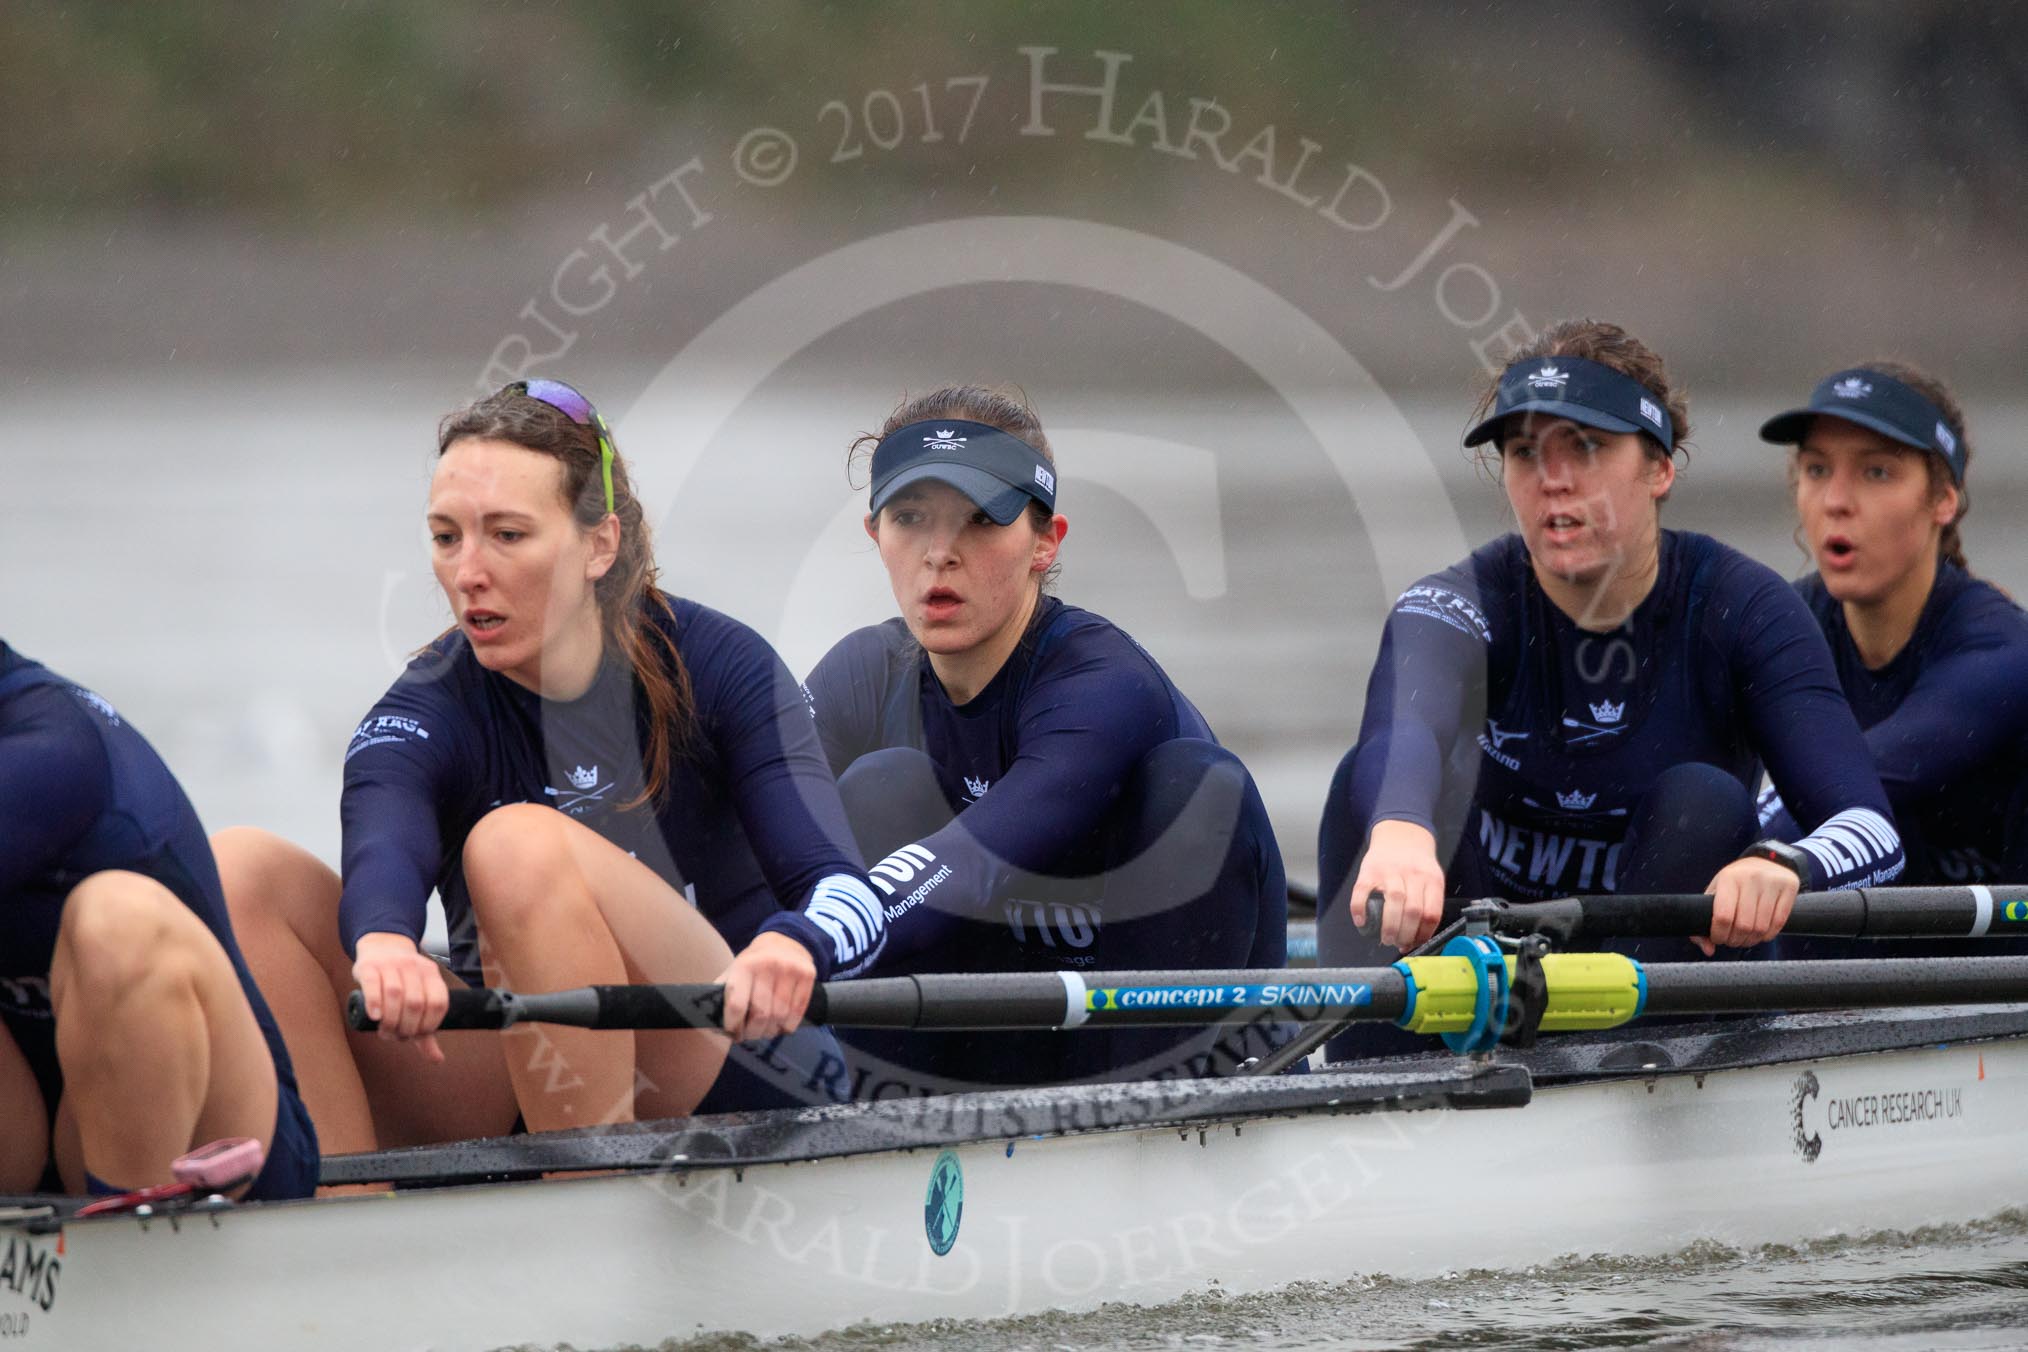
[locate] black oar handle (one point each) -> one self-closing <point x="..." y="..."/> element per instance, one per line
<point x="699" y="1005"/>
<point x="1850" y="913"/>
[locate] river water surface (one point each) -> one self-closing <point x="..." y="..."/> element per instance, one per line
<point x="1961" y="1287"/>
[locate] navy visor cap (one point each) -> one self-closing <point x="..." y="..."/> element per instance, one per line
<point x="999" y="473"/>
<point x="1875" y="401"/>
<point x="1586" y="392"/>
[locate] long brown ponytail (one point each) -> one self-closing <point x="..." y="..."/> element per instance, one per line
<point x="629" y="595"/>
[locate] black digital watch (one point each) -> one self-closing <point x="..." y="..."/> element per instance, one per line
<point x="1785" y="854"/>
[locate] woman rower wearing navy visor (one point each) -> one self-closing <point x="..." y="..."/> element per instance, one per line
<point x="1040" y="794"/>
<point x="1934" y="661"/>
<point x="606" y="784"/>
<point x="1583" y="705"/>
<point x="130" y="1028"/>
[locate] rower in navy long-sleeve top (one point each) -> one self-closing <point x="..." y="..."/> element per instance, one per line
<point x="1947" y="722"/>
<point x="1035" y="760"/>
<point x="749" y="815"/>
<point x="1933" y="661"/>
<point x="1583" y="706"/>
<point x="1492" y="710"/>
<point x="93" y="823"/>
<point x="1038" y="792"/>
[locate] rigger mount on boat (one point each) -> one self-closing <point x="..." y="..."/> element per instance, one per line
<point x="1477" y="996"/>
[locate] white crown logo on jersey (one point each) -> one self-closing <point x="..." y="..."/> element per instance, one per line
<point x="945" y="439"/>
<point x="1605" y="711"/>
<point x="587" y="780"/>
<point x="977" y="787"/>
<point x="1548" y="378"/>
<point x="1852" y="387"/>
<point x="1576" y="800"/>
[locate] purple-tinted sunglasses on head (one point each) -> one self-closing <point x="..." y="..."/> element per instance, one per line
<point x="574" y="406"/>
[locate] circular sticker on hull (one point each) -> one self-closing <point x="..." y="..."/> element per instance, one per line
<point x="944" y="1205"/>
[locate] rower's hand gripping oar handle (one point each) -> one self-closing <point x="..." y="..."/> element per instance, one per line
<point x="698" y="1005"/>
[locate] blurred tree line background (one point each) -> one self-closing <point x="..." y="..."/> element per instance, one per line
<point x="1881" y="143"/>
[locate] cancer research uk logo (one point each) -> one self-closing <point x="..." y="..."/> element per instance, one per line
<point x="1873" y="1108"/>
<point x="1809" y="1144"/>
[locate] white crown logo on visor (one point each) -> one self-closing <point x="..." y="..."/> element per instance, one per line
<point x="1852" y="387"/>
<point x="945" y="439"/>
<point x="1548" y="378"/>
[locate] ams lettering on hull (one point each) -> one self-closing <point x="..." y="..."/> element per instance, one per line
<point x="30" y="1271"/>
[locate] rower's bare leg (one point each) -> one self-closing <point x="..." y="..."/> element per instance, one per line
<point x="561" y="906"/>
<point x="284" y="906"/>
<point x="24" y="1120"/>
<point x="159" y="1048"/>
<point x="417" y="1103"/>
<point x="361" y="1092"/>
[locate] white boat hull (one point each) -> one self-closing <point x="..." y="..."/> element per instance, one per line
<point x="1903" y="1139"/>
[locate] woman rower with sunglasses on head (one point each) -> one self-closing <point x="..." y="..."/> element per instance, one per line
<point x="1582" y="706"/>
<point x="605" y="783"/>
<point x="130" y="1029"/>
<point x="1043" y="795"/>
<point x="1934" y="661"/>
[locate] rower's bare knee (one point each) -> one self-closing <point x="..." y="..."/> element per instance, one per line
<point x="121" y="933"/>
<point x="276" y="889"/>
<point x="517" y="867"/>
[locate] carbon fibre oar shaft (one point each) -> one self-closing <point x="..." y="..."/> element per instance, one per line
<point x="1836" y="983"/>
<point x="954" y="1001"/>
